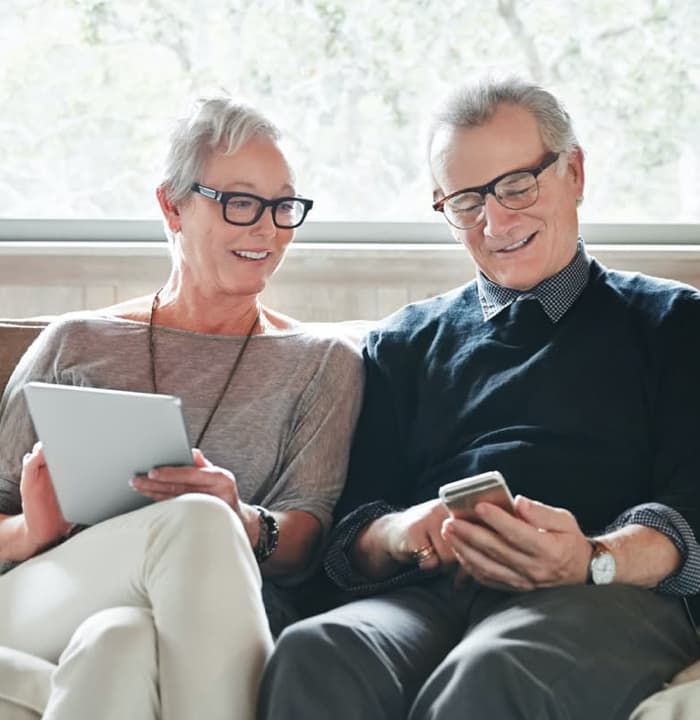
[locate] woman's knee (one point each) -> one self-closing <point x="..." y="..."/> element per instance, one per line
<point x="200" y="518"/>
<point x="110" y="663"/>
<point x="119" y="632"/>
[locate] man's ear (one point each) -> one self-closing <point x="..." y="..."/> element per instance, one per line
<point x="169" y="209"/>
<point x="575" y="168"/>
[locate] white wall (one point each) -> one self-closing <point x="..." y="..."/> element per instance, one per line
<point x="331" y="281"/>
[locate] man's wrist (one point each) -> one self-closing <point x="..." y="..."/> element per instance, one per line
<point x="370" y="554"/>
<point x="643" y="556"/>
<point x="602" y="566"/>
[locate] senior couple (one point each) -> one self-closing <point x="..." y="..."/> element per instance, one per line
<point x="576" y="382"/>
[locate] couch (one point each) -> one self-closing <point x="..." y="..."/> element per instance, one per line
<point x="25" y="680"/>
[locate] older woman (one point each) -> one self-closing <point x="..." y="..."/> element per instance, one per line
<point x="158" y="613"/>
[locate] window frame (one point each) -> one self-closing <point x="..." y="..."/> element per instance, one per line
<point x="312" y="232"/>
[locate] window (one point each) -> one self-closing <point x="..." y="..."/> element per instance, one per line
<point x="88" y="88"/>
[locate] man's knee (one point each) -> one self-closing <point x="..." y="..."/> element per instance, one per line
<point x="290" y="683"/>
<point x="306" y="646"/>
<point x="324" y="665"/>
<point x="491" y="679"/>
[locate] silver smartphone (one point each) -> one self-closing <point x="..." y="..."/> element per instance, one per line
<point x="461" y="496"/>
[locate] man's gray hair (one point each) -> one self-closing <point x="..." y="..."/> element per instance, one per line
<point x="474" y="104"/>
<point x="215" y="122"/>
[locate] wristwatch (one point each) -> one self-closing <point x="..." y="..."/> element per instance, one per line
<point x="269" y="534"/>
<point x="602" y="568"/>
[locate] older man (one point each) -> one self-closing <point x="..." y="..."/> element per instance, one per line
<point x="580" y="385"/>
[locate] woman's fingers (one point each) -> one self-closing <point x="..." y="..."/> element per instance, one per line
<point x="169" y="482"/>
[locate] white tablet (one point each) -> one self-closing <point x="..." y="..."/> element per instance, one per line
<point x="95" y="441"/>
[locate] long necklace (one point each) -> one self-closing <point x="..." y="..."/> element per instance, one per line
<point x="232" y="372"/>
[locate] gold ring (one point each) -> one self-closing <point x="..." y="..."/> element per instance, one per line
<point x="423" y="553"/>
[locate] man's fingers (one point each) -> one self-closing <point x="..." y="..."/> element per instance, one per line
<point x="544" y="517"/>
<point x="490" y="572"/>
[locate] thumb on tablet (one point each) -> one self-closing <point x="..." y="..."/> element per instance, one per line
<point x="199" y="459"/>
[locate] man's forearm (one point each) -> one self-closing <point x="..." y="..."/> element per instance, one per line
<point x="644" y="556"/>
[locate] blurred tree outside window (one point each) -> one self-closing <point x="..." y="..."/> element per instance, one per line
<point x="88" y="89"/>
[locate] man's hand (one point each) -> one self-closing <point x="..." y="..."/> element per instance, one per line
<point x="412" y="536"/>
<point x="42" y="517"/>
<point x="542" y="546"/>
<point x="419" y="529"/>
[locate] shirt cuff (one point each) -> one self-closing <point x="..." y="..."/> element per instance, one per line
<point x="686" y="580"/>
<point x="337" y="563"/>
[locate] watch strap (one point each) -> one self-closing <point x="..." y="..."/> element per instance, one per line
<point x="595" y="549"/>
<point x="598" y="548"/>
<point x="269" y="534"/>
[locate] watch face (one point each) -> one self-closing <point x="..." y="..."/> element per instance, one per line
<point x="603" y="568"/>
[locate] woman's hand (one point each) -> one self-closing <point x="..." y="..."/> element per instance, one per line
<point x="43" y="520"/>
<point x="542" y="547"/>
<point x="164" y="483"/>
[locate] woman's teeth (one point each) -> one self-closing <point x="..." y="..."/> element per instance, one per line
<point x="250" y="255"/>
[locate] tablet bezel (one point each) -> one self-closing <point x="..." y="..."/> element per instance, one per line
<point x="95" y="440"/>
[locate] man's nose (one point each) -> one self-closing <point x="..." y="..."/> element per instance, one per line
<point x="497" y="218"/>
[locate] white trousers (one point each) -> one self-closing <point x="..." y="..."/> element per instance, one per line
<point x="679" y="701"/>
<point x="153" y="615"/>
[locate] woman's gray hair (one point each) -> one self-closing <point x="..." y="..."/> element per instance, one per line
<point x="474" y="104"/>
<point x="215" y="122"/>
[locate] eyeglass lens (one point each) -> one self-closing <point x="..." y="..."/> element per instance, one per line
<point x="243" y="210"/>
<point x="516" y="192"/>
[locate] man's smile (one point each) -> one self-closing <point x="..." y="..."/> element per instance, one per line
<point x="517" y="245"/>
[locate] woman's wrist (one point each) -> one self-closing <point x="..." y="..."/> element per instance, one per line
<point x="249" y="517"/>
<point x="16" y="543"/>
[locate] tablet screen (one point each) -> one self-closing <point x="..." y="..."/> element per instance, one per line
<point x="96" y="440"/>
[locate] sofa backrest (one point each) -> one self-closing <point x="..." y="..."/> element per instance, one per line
<point x="15" y="338"/>
<point x="17" y="335"/>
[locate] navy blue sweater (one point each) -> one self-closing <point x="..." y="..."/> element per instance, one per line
<point x="597" y="413"/>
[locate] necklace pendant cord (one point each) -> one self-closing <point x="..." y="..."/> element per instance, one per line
<point x="229" y="379"/>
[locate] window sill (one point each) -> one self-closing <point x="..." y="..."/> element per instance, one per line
<point x="317" y="281"/>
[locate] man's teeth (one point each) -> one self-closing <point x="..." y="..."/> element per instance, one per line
<point x="518" y="244"/>
<point x="250" y="255"/>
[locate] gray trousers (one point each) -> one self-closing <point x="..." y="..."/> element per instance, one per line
<point x="573" y="653"/>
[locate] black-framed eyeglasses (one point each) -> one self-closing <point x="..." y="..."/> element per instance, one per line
<point x="241" y="208"/>
<point x="515" y="190"/>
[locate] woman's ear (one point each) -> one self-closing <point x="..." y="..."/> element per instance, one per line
<point x="169" y="209"/>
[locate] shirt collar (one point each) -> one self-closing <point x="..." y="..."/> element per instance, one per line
<point x="556" y="294"/>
